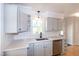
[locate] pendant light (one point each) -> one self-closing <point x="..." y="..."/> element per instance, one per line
<point x="38" y="14"/>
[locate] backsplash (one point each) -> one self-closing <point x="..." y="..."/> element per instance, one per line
<point x="29" y="35"/>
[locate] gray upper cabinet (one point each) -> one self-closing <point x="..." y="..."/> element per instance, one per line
<point x="53" y="24"/>
<point x="15" y="20"/>
<point x="24" y="21"/>
<point x="60" y="24"/>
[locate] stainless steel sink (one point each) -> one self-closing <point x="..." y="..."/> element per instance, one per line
<point x="39" y="39"/>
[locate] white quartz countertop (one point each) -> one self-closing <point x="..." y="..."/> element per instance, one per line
<point x="18" y="44"/>
<point x="24" y="43"/>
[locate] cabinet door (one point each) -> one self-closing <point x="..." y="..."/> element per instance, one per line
<point x="24" y="21"/>
<point x="17" y="52"/>
<point x="30" y="50"/>
<point x="38" y="49"/>
<point x="59" y="25"/>
<point x="51" y="24"/>
<point x="48" y="48"/>
<point x="15" y="20"/>
<point x="10" y="18"/>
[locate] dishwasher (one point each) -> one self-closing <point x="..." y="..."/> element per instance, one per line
<point x="57" y="47"/>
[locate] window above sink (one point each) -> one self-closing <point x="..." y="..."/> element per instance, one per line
<point x="37" y="25"/>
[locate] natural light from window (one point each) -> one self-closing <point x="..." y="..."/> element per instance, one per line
<point x="36" y="25"/>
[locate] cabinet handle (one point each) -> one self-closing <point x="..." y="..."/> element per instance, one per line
<point x="19" y="28"/>
<point x="27" y="47"/>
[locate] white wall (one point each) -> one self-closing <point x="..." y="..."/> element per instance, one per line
<point x="70" y="30"/>
<point x="76" y="31"/>
<point x="72" y="35"/>
<point x="1" y="27"/>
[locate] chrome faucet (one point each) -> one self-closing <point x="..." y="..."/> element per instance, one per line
<point x="40" y="34"/>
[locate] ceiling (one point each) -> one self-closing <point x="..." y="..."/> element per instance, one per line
<point x="63" y="8"/>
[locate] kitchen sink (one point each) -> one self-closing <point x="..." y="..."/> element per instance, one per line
<point x="39" y="39"/>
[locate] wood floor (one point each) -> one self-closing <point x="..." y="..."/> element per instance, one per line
<point x="72" y="51"/>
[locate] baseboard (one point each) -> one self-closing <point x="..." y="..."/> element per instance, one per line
<point x="76" y="45"/>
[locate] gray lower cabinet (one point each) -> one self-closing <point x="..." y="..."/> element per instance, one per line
<point x="38" y="49"/>
<point x="30" y="49"/>
<point x="48" y="48"/>
<point x="42" y="48"/>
